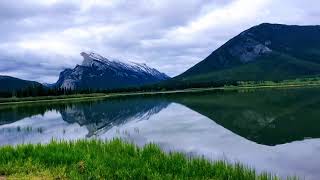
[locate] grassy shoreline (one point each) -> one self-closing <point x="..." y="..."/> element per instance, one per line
<point x="116" y="159"/>
<point x="79" y="97"/>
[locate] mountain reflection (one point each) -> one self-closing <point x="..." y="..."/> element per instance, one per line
<point x="96" y="116"/>
<point x="13" y="113"/>
<point x="101" y="116"/>
<point x="267" y="117"/>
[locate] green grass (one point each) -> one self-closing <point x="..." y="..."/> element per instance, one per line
<point x="93" y="159"/>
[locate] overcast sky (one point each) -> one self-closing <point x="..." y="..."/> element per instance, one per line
<point x="39" y="38"/>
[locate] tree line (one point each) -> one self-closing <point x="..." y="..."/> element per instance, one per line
<point x="35" y="91"/>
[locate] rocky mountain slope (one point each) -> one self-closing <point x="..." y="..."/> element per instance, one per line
<point x="99" y="72"/>
<point x="263" y="52"/>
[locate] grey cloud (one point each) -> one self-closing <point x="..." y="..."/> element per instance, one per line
<point x="25" y="9"/>
<point x="40" y="39"/>
<point x="30" y="66"/>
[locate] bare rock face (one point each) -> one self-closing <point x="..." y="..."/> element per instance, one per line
<point x="249" y="50"/>
<point x="98" y="72"/>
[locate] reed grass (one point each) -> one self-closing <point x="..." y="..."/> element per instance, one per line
<point x="116" y="159"/>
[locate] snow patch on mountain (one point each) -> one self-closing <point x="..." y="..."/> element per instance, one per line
<point x="100" y="72"/>
<point x="94" y="59"/>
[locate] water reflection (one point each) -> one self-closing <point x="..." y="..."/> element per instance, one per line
<point x="40" y="129"/>
<point x="267" y="117"/>
<point x="97" y="117"/>
<point x="101" y="116"/>
<point x="271" y="130"/>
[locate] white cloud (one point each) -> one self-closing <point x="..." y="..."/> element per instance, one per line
<point x="240" y="11"/>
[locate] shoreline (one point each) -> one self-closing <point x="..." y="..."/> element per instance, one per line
<point x="80" y="97"/>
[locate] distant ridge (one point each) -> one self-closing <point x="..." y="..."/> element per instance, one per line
<point x="8" y="83"/>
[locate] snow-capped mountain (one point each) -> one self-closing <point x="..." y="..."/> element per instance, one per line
<point x="99" y="72"/>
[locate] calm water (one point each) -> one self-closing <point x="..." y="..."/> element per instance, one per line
<point x="271" y="130"/>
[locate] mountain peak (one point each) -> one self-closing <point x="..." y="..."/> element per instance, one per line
<point x="89" y="58"/>
<point x="99" y="72"/>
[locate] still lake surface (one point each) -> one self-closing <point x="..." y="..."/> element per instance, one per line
<point x="270" y="130"/>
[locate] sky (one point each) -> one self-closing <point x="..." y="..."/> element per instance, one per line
<point x="40" y="38"/>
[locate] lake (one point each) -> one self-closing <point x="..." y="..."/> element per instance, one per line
<point x="270" y="130"/>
